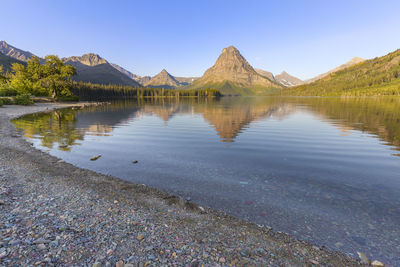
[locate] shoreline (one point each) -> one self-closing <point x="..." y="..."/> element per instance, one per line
<point x="58" y="214"/>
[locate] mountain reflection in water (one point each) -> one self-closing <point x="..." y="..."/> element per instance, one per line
<point x="229" y="116"/>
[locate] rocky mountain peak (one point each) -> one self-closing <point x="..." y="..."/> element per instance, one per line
<point x="356" y="60"/>
<point x="288" y="80"/>
<point x="163" y="80"/>
<point x="89" y="59"/>
<point x="231" y="60"/>
<point x="231" y="71"/>
<point x="14" y="52"/>
<point x="230" y="49"/>
<point x="164" y="72"/>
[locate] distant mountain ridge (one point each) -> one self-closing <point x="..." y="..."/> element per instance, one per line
<point x="127" y="72"/>
<point x="7" y="61"/>
<point x="186" y="80"/>
<point x="95" y="69"/>
<point x="233" y="75"/>
<point x="353" y="61"/>
<point x="89" y="59"/>
<point x="266" y="73"/>
<point x="283" y="78"/>
<point x="288" y="80"/>
<point x="378" y="76"/>
<point x="14" y="52"/>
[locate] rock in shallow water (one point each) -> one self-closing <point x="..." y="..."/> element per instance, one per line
<point x="95" y="157"/>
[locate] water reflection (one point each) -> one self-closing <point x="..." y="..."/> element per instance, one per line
<point x="229" y="116"/>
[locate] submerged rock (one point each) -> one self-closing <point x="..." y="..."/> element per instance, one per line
<point x="95" y="157"/>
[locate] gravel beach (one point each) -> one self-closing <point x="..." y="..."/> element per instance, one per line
<point x="55" y="214"/>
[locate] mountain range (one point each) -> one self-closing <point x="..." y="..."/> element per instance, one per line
<point x="93" y="68"/>
<point x="231" y="74"/>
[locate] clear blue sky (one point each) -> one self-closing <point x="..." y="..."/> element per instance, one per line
<point x="304" y="38"/>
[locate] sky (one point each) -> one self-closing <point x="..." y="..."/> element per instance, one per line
<point x="304" y="38"/>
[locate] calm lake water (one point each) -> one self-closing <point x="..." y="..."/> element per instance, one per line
<point x="325" y="170"/>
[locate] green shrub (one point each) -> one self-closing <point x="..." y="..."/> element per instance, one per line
<point x="70" y="98"/>
<point x="6" y="101"/>
<point x="23" y="100"/>
<point x="1" y="103"/>
<point x="6" y="90"/>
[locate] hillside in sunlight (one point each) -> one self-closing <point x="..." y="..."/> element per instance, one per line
<point x="378" y="76"/>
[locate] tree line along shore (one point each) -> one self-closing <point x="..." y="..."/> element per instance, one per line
<point x="52" y="78"/>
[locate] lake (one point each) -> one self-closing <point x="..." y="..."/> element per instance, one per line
<point x="326" y="170"/>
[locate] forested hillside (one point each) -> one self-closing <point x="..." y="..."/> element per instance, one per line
<point x="378" y="76"/>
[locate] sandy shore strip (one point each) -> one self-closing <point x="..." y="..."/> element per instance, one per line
<point x="55" y="214"/>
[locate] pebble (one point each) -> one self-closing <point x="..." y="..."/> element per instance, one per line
<point x="376" y="263"/>
<point x="3" y="254"/>
<point x="41" y="241"/>
<point x="140" y="237"/>
<point x="151" y="257"/>
<point x="41" y="246"/>
<point x="119" y="264"/>
<point x="97" y="264"/>
<point x="363" y="258"/>
<point x="134" y="161"/>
